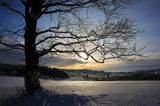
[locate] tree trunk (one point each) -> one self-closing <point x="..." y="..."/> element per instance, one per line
<point x="32" y="10"/>
<point x="32" y="59"/>
<point x="31" y="72"/>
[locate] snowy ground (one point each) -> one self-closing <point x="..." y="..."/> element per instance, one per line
<point x="82" y="93"/>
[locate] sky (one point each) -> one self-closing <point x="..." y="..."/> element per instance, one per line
<point x="146" y="15"/>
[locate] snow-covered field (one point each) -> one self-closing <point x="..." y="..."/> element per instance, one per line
<point x="82" y="93"/>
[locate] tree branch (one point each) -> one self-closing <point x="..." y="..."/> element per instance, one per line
<point x="59" y="11"/>
<point x="69" y="6"/>
<point x="13" y="46"/>
<point x="14" y="32"/>
<point x="14" y="10"/>
<point x="63" y="3"/>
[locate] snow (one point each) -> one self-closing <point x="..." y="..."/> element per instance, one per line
<point x="82" y="93"/>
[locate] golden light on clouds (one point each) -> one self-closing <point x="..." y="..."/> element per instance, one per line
<point x="83" y="66"/>
<point x="90" y="65"/>
<point x="79" y="66"/>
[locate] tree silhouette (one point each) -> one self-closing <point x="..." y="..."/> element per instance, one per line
<point x="70" y="29"/>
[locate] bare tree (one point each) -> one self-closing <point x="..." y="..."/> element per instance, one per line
<point x="70" y="29"/>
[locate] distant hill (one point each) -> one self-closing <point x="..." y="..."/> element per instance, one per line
<point x="55" y="73"/>
<point x="153" y="74"/>
<point x="18" y="70"/>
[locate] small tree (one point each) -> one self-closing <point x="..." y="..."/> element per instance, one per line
<point x="69" y="30"/>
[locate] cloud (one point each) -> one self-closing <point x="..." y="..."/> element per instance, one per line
<point x="59" y="61"/>
<point x="17" y="57"/>
<point x="12" y="57"/>
<point x="139" y="65"/>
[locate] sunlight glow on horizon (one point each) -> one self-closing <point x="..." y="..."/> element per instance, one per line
<point x="89" y="65"/>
